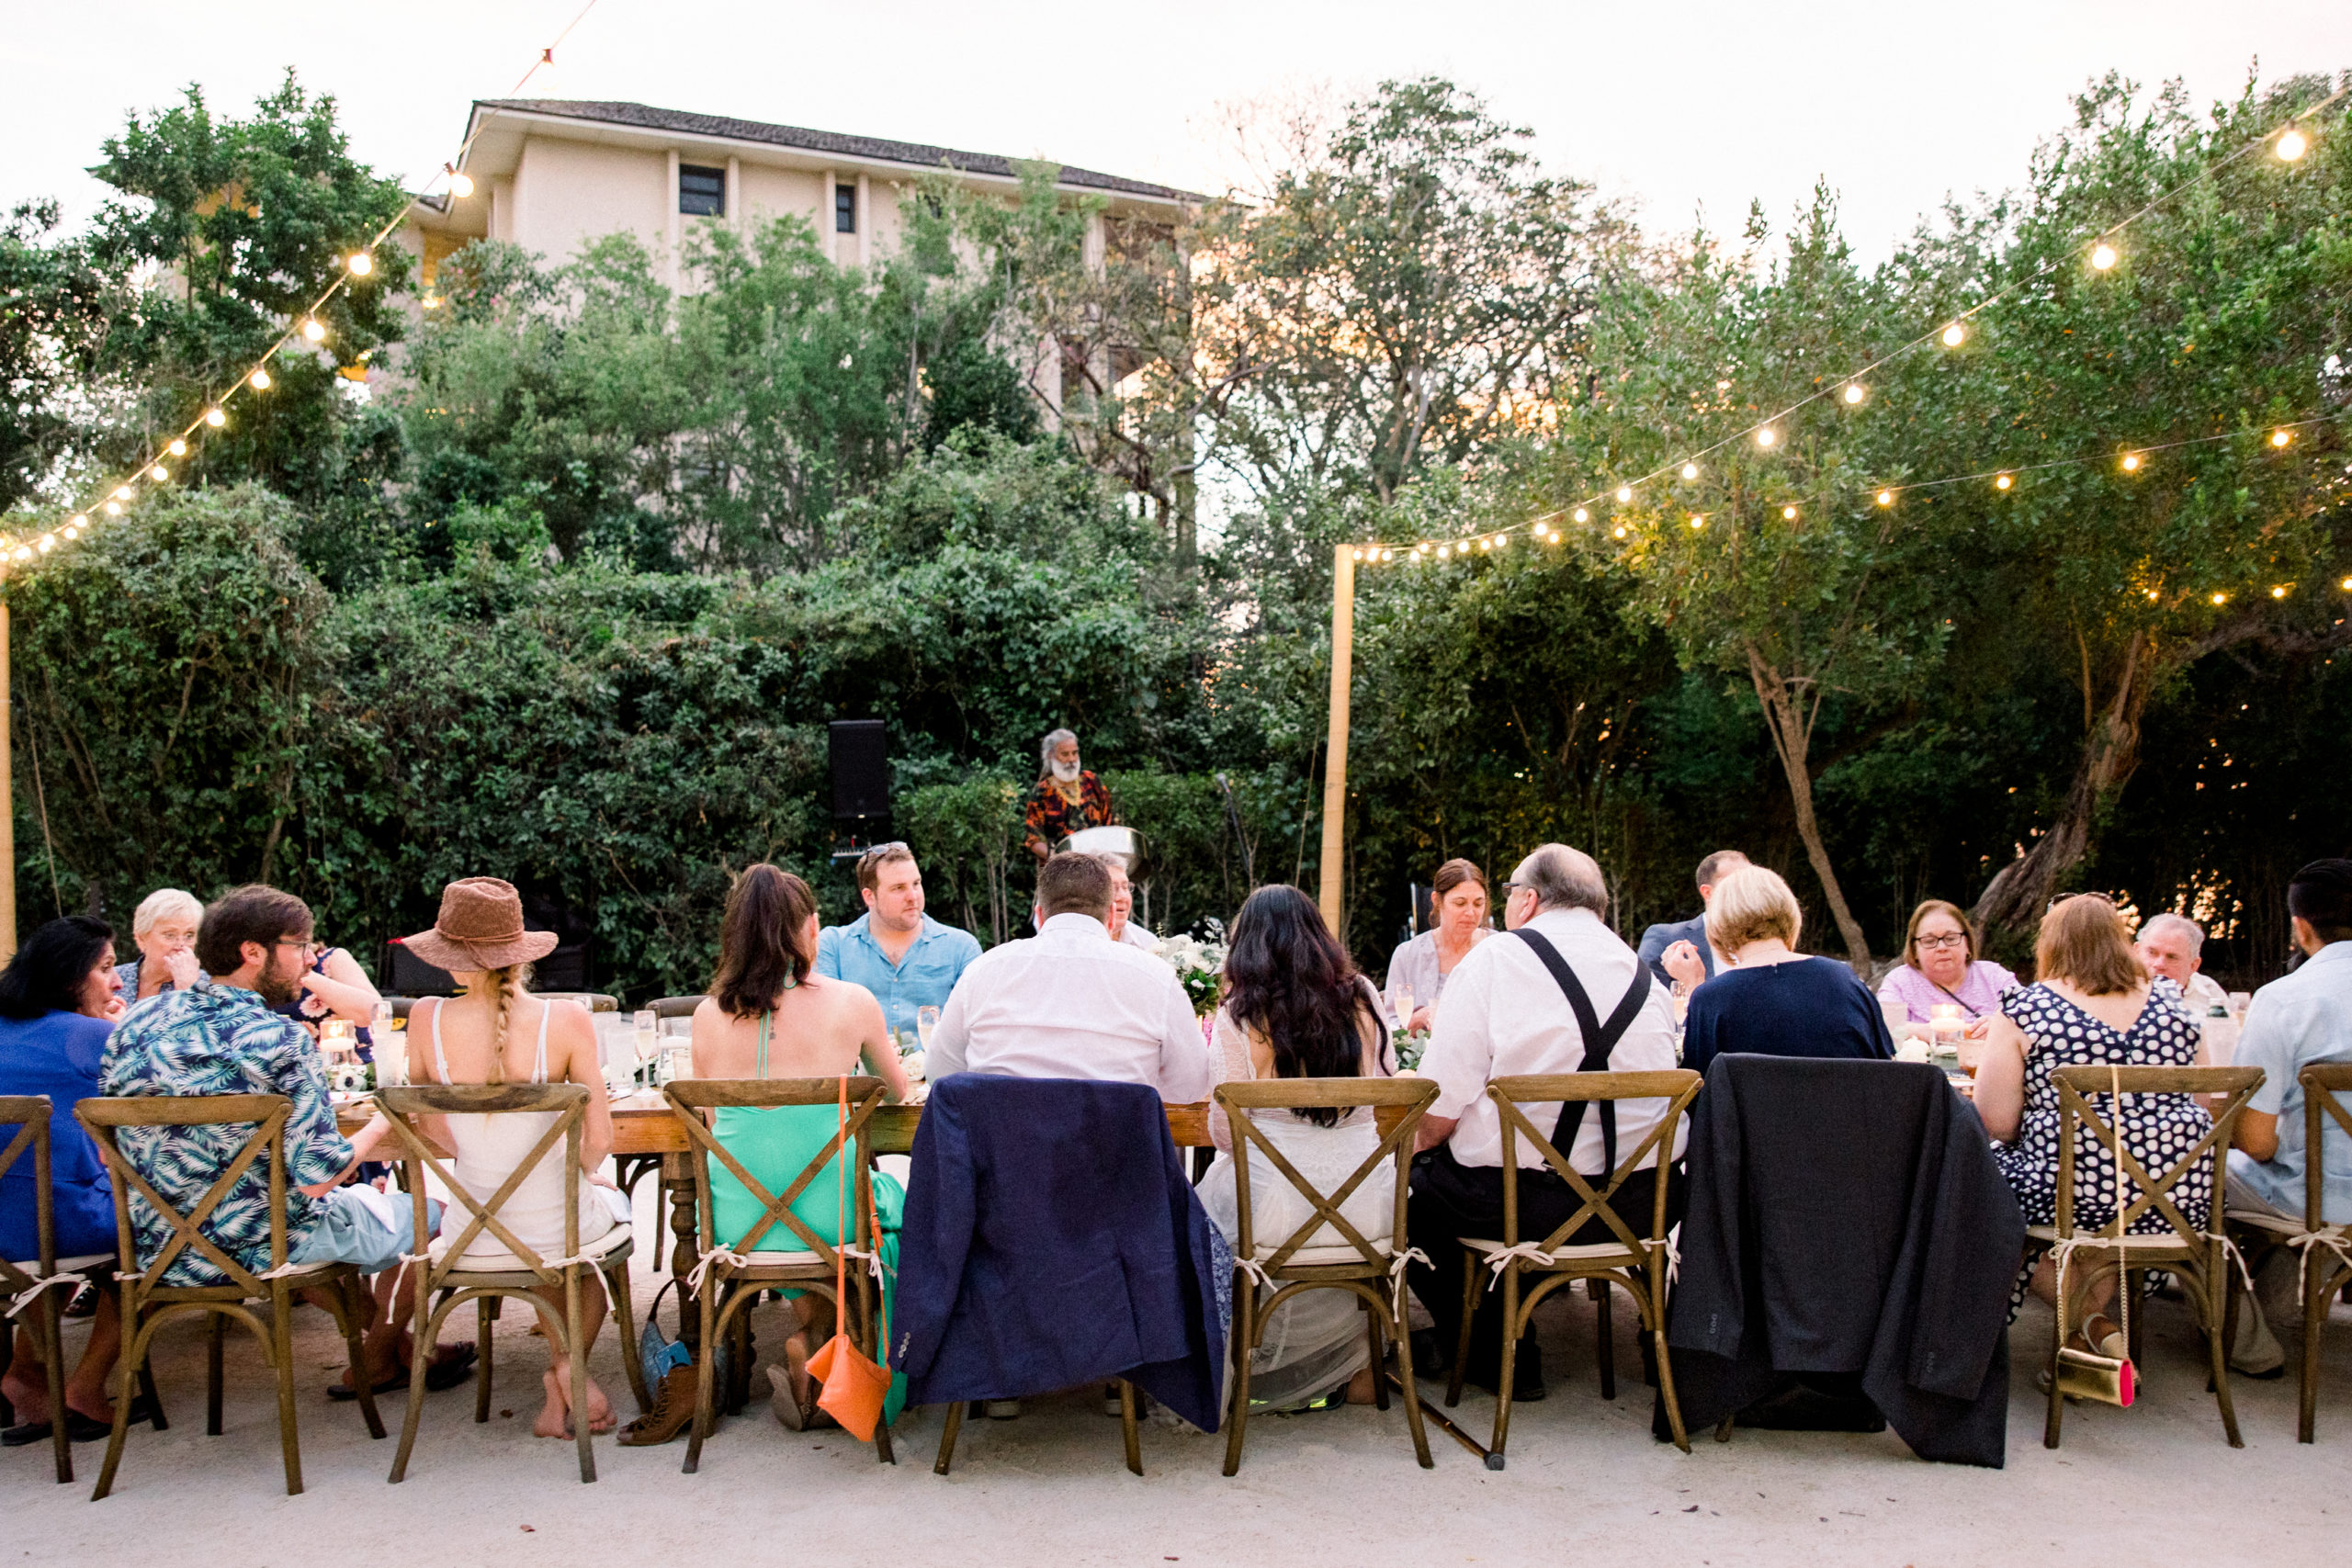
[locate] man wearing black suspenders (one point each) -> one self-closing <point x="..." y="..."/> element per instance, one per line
<point x="1564" y="994"/>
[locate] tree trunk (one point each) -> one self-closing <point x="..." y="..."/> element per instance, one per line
<point x="2023" y="888"/>
<point x="1791" y="731"/>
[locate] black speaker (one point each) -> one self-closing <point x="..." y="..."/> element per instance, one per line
<point x="860" y="753"/>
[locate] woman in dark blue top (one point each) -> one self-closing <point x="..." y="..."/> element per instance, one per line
<point x="1773" y="1001"/>
<point x="58" y="1004"/>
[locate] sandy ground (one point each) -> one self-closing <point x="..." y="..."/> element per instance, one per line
<point x="2153" y="1485"/>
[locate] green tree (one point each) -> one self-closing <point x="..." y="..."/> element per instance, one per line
<point x="2220" y="323"/>
<point x="55" y="303"/>
<point x="244" y="223"/>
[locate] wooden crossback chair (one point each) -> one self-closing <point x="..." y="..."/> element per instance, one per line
<point x="33" y="1283"/>
<point x="1636" y="1262"/>
<point x="519" y="1272"/>
<point x="2200" y="1255"/>
<point x="1372" y="1271"/>
<point x="666" y="1008"/>
<point x="148" y="1303"/>
<point x="2326" y="1263"/>
<point x="781" y="1250"/>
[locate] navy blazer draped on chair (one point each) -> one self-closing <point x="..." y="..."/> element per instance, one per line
<point x="1052" y="1239"/>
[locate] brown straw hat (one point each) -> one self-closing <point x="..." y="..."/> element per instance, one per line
<point x="480" y="927"/>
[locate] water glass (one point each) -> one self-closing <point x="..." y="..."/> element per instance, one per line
<point x="379" y="1020"/>
<point x="391" y="1056"/>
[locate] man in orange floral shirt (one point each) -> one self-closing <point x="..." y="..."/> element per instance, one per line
<point x="1066" y="800"/>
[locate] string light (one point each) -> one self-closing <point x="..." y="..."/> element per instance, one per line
<point x="2292" y="144"/>
<point x="2131" y="462"/>
<point x="48" y="543"/>
<point x="1764" y="438"/>
<point x="215" y="418"/>
<point x="1624" y="494"/>
<point x="2103" y="256"/>
<point x="1853" y="393"/>
<point x="312" y="330"/>
<point x="2346" y="585"/>
<point x="2279" y="591"/>
<point x="1954" y="335"/>
<point x="160" y="473"/>
<point x="1697" y="521"/>
<point x="260" y="379"/>
<point x="1789" y="513"/>
<point x="1358" y="554"/>
<point x="460" y="185"/>
<point x="114" y="509"/>
<point x="1689" y="470"/>
<point x="2280" y="437"/>
<point x="1580" y="515"/>
<point x="2003" y="482"/>
<point x="1886" y="498"/>
<point x="1553" y="537"/>
<point x="123" y="493"/>
<point x="2221" y="598"/>
<point x="71" y="530"/>
<point x="1620" y="533"/>
<point x="360" y="263"/>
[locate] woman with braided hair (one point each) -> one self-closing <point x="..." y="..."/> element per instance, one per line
<point x="495" y="1032"/>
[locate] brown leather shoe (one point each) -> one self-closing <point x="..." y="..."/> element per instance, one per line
<point x="673" y="1412"/>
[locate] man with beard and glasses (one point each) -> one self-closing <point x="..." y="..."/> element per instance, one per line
<point x="1068" y="798"/>
<point x="218" y="1036"/>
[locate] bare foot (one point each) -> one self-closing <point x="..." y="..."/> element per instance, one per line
<point x="1362" y="1388"/>
<point x="29" y="1395"/>
<point x="555" y="1420"/>
<point x="795" y="1367"/>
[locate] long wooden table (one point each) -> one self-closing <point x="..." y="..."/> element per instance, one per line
<point x="646" y="1130"/>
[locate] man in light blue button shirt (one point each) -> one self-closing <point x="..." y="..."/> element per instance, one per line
<point x="2293" y="1022"/>
<point x="894" y="949"/>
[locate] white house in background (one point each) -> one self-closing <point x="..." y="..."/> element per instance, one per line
<point x="550" y="174"/>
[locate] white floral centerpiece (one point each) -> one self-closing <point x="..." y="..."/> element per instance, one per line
<point x="1199" y="965"/>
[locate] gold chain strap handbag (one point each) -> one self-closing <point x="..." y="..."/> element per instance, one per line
<point x="2086" y="1375"/>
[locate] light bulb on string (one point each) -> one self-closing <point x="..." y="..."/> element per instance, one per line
<point x="1624" y="494"/>
<point x="261" y="381"/>
<point x="114" y="509"/>
<point x="215" y="418"/>
<point x="1954" y="335"/>
<point x="2102" y="256"/>
<point x="2004" y="482"/>
<point x="178" y="449"/>
<point x="1621" y="530"/>
<point x="1689" y="470"/>
<point x="1853" y="394"/>
<point x="1358" y="555"/>
<point x="48" y="543"/>
<point x="2131" y="462"/>
<point x="1789" y="513"/>
<point x="460" y="185"/>
<point x="71" y="531"/>
<point x="2155" y="594"/>
<point x="1553" y="537"/>
<point x="2280" y="590"/>
<point x="2280" y="437"/>
<point x="2221" y="598"/>
<point x="123" y="493"/>
<point x="2346" y="585"/>
<point x="1765" y="437"/>
<point x="1580" y="515"/>
<point x="2292" y="144"/>
<point x="159" y="473"/>
<point x="1886" y="498"/>
<point x="312" y="330"/>
<point x="1697" y="521"/>
<point x="360" y="263"/>
<point x="24" y="552"/>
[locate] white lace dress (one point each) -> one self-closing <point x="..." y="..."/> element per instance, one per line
<point x="1315" y="1340"/>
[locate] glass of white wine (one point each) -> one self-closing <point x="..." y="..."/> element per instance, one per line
<point x="649" y="1036"/>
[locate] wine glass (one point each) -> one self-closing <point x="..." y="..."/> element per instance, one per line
<point x="649" y="1036"/>
<point x="926" y="1024"/>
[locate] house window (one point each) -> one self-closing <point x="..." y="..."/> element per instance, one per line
<point x="844" y="209"/>
<point x="702" y="193"/>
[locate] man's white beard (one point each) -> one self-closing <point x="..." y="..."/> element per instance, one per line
<point x="1065" y="771"/>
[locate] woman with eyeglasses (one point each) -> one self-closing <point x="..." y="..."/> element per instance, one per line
<point x="1940" y="965"/>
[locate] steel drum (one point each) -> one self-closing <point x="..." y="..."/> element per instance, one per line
<point x="1121" y="844"/>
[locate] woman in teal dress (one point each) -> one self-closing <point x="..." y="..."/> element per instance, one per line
<point x="769" y="1014"/>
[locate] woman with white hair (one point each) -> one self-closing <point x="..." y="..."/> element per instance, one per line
<point x="1067" y="799"/>
<point x="163" y="928"/>
<point x="1770" y="1000"/>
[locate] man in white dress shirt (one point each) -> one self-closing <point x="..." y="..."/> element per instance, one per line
<point x="1503" y="1014"/>
<point x="1072" y="1003"/>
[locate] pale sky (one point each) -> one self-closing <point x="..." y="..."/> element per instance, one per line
<point x="1684" y="106"/>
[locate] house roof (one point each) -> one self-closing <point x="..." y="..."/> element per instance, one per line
<point x="913" y="154"/>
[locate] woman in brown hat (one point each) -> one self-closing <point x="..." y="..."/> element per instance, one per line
<point x="495" y="1032"/>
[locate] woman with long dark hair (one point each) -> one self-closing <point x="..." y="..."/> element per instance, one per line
<point x="58" y="1004"/>
<point x="770" y="1015"/>
<point x="1296" y="1006"/>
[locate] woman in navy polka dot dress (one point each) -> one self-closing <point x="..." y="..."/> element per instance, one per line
<point x="2094" y="1003"/>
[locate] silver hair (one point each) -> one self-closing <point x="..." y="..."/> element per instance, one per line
<point x="162" y="902"/>
<point x="1046" y="747"/>
<point x="1564" y="878"/>
<point x="2196" y="932"/>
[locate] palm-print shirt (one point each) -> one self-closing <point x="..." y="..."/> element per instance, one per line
<point x="221" y="1040"/>
<point x="1052" y="816"/>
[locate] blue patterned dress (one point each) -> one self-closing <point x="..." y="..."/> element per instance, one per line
<point x="2159" y="1129"/>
